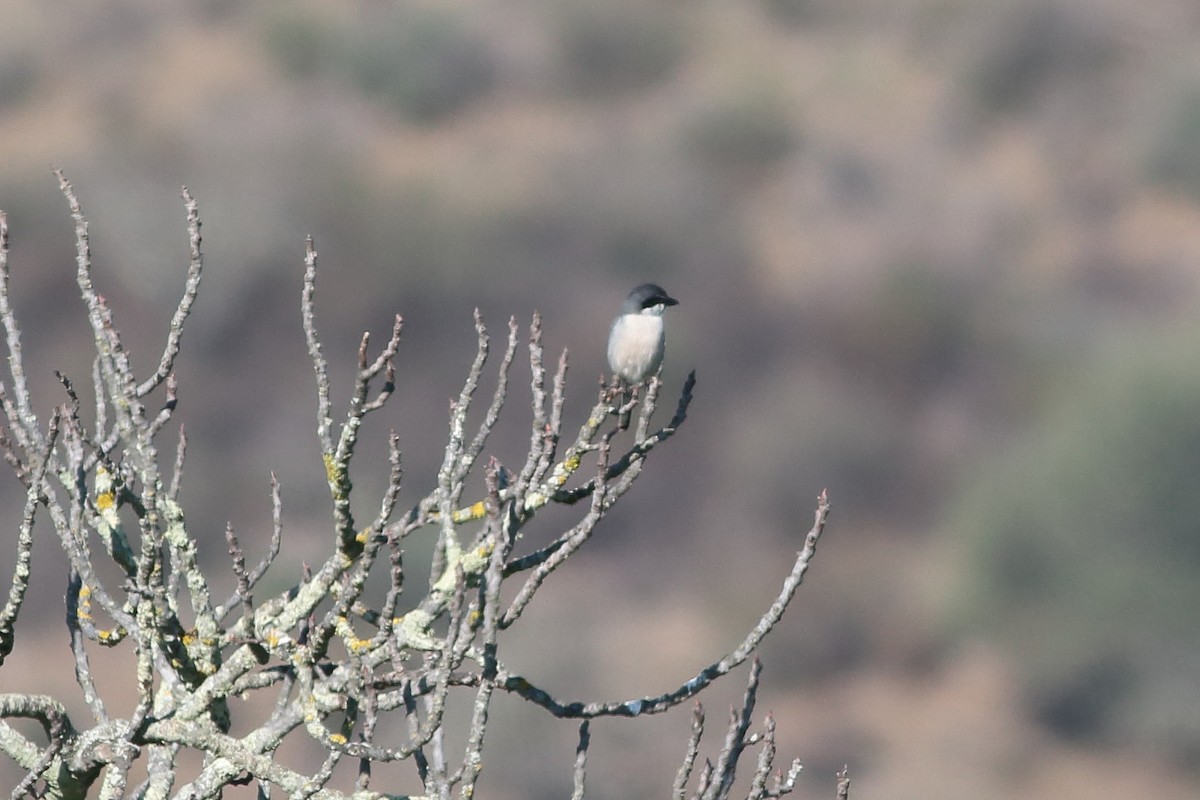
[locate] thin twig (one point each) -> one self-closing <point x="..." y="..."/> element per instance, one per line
<point x="538" y="407"/>
<point x="177" y="471"/>
<point x="572" y="541"/>
<point x="843" y="783"/>
<point x="581" y="751"/>
<point x="190" y="290"/>
<point x="735" y="739"/>
<point x="58" y="729"/>
<point x="471" y="453"/>
<point x="20" y="579"/>
<point x="24" y="421"/>
<point x="636" y="454"/>
<point x="490" y="600"/>
<point x="679" y="788"/>
<point x="656" y="705"/>
<point x="320" y="366"/>
<point x="255" y="575"/>
<point x="766" y="757"/>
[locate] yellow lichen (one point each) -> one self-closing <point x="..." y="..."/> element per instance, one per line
<point x="472" y="512"/>
<point x="569" y="465"/>
<point x="332" y="473"/>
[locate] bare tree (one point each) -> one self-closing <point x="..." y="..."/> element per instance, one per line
<point x="335" y="658"/>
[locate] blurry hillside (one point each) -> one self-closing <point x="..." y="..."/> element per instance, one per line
<point x="939" y="256"/>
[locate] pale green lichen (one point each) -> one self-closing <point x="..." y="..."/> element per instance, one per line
<point x="415" y="626"/>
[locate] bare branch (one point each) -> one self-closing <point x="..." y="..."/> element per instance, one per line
<point x="656" y="705"/>
<point x="843" y="783"/>
<point x="386" y="362"/>
<point x="20" y="579"/>
<point x="59" y="730"/>
<point x="493" y="413"/>
<point x="177" y="471"/>
<point x="679" y="788"/>
<point x="190" y="290"/>
<point x="253" y="577"/>
<point x="538" y="407"/>
<point x="320" y="366"/>
<point x="21" y="417"/>
<point x="633" y="458"/>
<point x="735" y="739"/>
<point x="581" y="751"/>
<point x="766" y="757"/>
<point x="571" y="542"/>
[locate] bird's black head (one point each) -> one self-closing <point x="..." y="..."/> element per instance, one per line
<point x="647" y="295"/>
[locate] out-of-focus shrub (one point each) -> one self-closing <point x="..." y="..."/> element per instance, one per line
<point x="615" y="47"/>
<point x="1173" y="158"/>
<point x="743" y="131"/>
<point x="299" y="41"/>
<point x="424" y="63"/>
<point x="1028" y="46"/>
<point x="916" y="329"/>
<point x="802" y="12"/>
<point x="623" y="208"/>
<point x="1082" y="555"/>
<point x="18" y="77"/>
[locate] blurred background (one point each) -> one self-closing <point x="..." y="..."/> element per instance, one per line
<point x="939" y="256"/>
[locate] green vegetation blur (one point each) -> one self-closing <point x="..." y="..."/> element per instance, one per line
<point x="1082" y="551"/>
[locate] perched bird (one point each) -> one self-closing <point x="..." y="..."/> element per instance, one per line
<point x="635" y="342"/>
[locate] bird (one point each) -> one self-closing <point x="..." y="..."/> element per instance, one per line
<point x="636" y="339"/>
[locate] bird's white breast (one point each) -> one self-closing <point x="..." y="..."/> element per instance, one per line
<point x="635" y="346"/>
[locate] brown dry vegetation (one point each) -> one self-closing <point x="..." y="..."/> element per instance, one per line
<point x="939" y="256"/>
